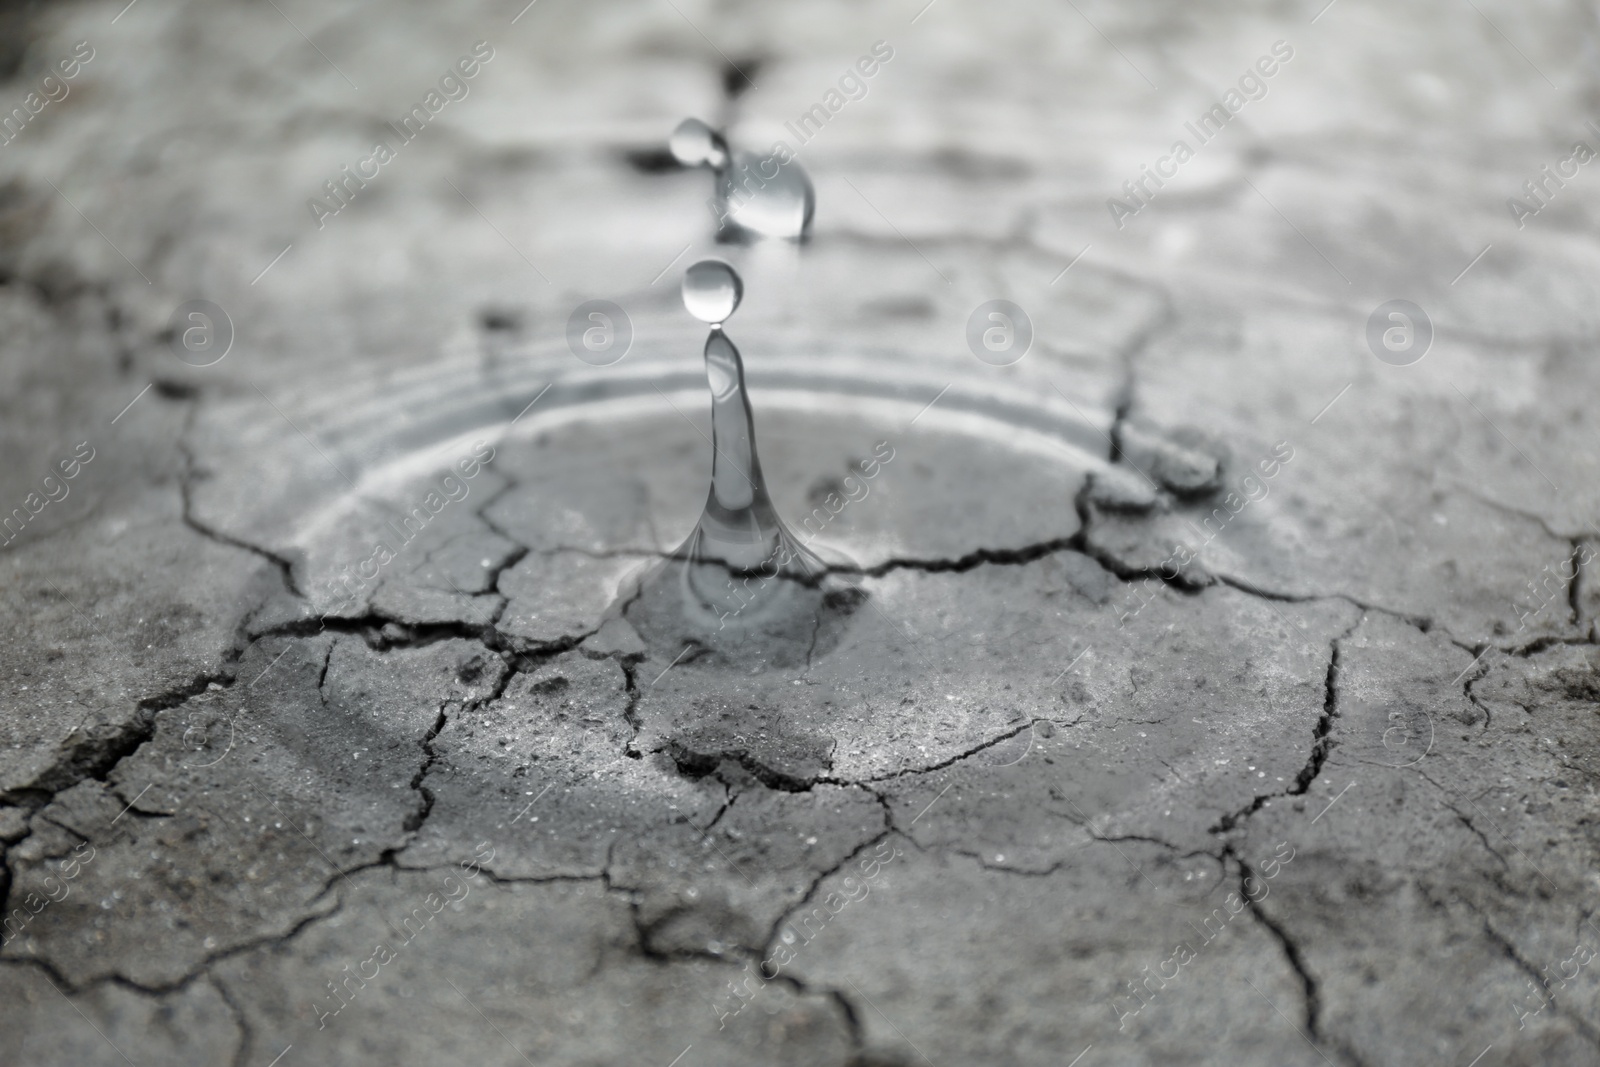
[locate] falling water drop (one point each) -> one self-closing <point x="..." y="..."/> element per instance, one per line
<point x="695" y="144"/>
<point x="761" y="195"/>
<point x="712" y="291"/>
<point x="756" y="196"/>
<point x="741" y="587"/>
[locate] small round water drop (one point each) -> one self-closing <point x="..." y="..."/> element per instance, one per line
<point x="695" y="144"/>
<point x="712" y="290"/>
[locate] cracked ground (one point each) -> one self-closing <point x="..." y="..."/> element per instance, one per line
<point x="1221" y="685"/>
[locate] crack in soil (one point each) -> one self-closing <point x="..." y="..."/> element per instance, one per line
<point x="1537" y="977"/>
<point x="1310" y="989"/>
<point x="284" y="567"/>
<point x="1320" y="742"/>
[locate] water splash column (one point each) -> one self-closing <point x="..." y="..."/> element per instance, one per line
<point x="741" y="585"/>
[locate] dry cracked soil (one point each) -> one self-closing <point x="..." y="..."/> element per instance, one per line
<point x="1230" y="697"/>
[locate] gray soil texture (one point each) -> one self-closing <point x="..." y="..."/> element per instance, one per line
<point x="1219" y="683"/>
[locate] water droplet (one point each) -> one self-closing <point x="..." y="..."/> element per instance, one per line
<point x="756" y="196"/>
<point x="741" y="587"/>
<point x="760" y="195"/>
<point x="694" y="144"/>
<point x="712" y="291"/>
